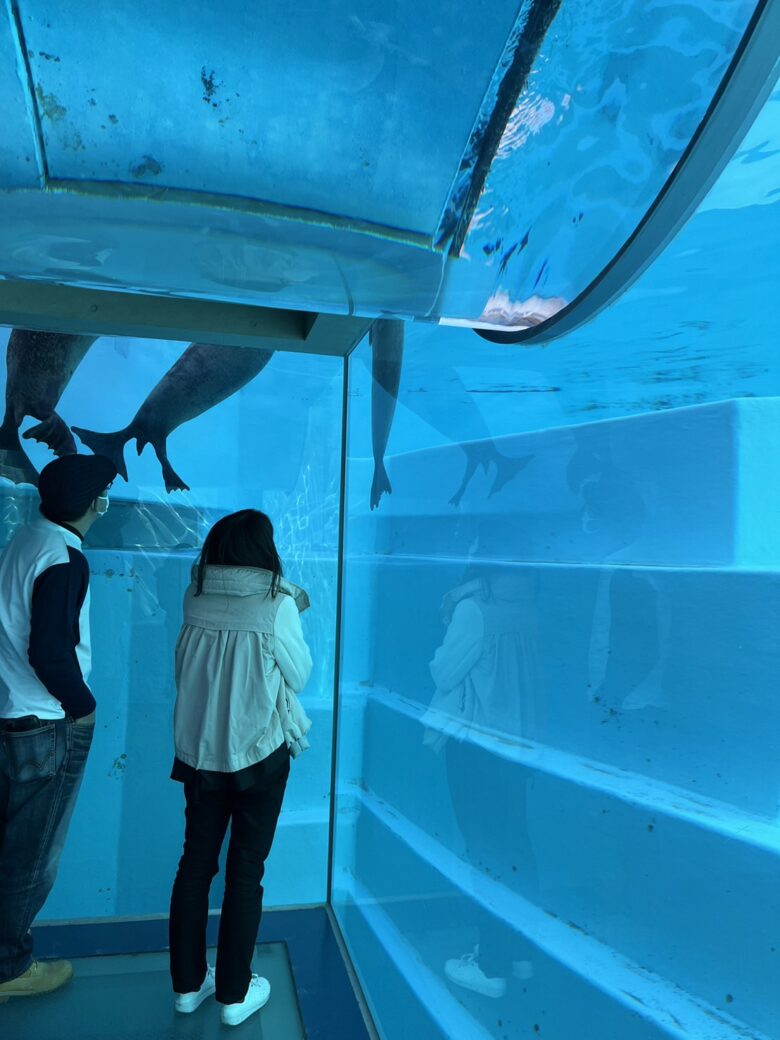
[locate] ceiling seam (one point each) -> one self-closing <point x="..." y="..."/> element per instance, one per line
<point x="23" y="58"/>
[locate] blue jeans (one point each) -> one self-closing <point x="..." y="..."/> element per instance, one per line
<point x="40" y="774"/>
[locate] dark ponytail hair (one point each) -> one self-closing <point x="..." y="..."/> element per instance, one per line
<point x="244" y="539"/>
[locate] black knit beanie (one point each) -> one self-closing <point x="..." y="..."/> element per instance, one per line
<point x="68" y="486"/>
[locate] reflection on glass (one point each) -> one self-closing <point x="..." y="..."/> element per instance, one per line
<point x="625" y="668"/>
<point x="592" y="650"/>
<point x="486" y="675"/>
<point x="486" y="671"/>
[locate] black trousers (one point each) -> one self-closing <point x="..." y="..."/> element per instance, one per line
<point x="253" y="812"/>
<point x="488" y="810"/>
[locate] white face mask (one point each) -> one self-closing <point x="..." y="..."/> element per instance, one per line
<point x="101" y="505"/>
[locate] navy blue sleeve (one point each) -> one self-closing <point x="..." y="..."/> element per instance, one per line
<point x="58" y="596"/>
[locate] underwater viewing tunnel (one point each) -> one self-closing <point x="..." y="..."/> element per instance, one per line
<point x="476" y="303"/>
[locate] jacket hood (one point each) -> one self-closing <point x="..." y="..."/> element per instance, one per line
<point x="247" y="581"/>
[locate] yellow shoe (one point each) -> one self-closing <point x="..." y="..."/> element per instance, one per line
<point x="40" y="977"/>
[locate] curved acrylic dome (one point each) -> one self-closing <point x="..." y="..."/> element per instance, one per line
<point x="477" y="163"/>
<point x="620" y="131"/>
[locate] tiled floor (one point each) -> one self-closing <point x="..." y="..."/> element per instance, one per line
<point x="130" y="998"/>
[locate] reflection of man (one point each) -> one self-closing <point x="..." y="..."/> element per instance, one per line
<point x="46" y="708"/>
<point x="630" y="626"/>
<point x="486" y="674"/>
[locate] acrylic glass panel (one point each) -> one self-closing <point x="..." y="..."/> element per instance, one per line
<point x="473" y="162"/>
<point x="614" y="99"/>
<point x="557" y="795"/>
<point x="273" y="445"/>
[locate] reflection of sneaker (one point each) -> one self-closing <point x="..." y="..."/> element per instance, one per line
<point x="468" y="974"/>
<point x="40" y="977"/>
<point x="257" y="997"/>
<point x="523" y="970"/>
<point x="186" y="1003"/>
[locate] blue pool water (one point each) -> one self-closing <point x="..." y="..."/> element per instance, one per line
<point x="352" y="163"/>
<point x="543" y="793"/>
<point x="253" y="450"/>
<point x="613" y="100"/>
<point x="558" y="747"/>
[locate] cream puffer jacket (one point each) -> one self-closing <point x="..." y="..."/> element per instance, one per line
<point x="241" y="661"/>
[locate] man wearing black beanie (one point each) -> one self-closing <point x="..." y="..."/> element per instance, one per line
<point x="47" y="711"/>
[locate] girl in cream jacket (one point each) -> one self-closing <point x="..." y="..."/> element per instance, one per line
<point x="241" y="661"/>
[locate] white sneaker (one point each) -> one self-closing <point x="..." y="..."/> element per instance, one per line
<point x="257" y="997"/>
<point x="186" y="1003"/>
<point x="467" y="973"/>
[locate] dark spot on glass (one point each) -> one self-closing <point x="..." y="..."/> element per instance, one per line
<point x="148" y="166"/>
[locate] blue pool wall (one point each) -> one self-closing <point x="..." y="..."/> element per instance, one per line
<point x="616" y="842"/>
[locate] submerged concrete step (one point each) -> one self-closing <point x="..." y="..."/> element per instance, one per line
<point x="683" y="886"/>
<point x="424" y="904"/>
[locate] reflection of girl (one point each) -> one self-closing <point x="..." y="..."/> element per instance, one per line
<point x="484" y="671"/>
<point x="486" y="678"/>
<point x="240" y="661"/>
